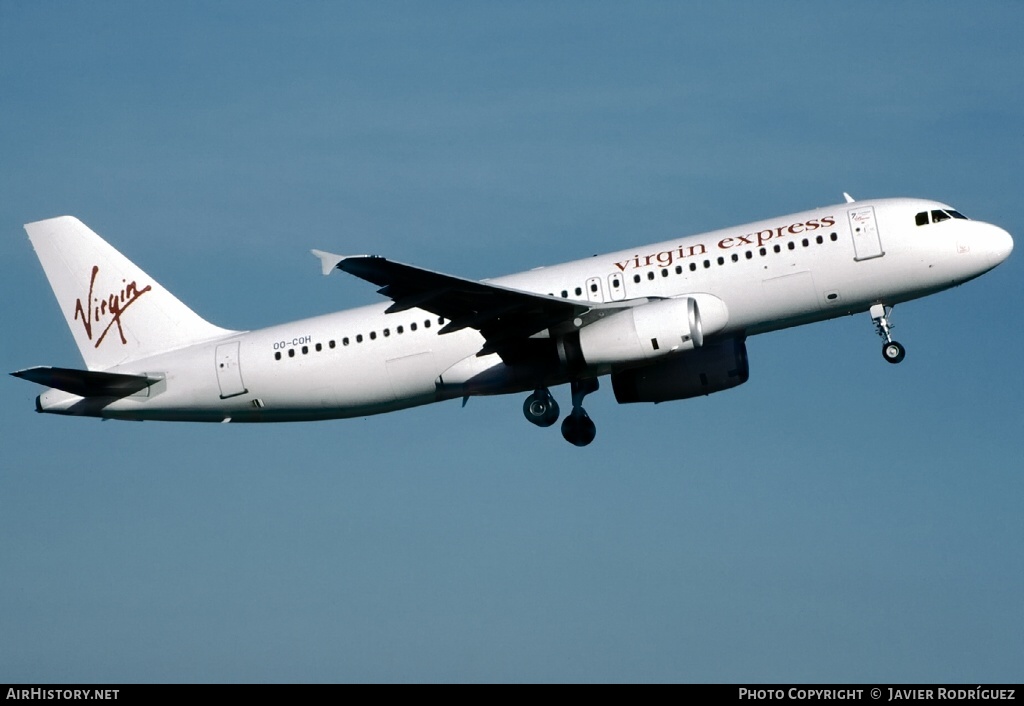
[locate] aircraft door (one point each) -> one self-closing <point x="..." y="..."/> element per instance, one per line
<point x="594" y="291"/>
<point x="229" y="374"/>
<point x="616" y="287"/>
<point x="866" y="242"/>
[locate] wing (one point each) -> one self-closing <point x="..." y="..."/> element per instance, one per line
<point x="504" y="316"/>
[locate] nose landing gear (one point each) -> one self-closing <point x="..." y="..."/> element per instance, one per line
<point x="892" y="351"/>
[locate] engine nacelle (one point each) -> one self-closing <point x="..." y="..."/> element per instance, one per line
<point x="647" y="332"/>
<point x="714" y="367"/>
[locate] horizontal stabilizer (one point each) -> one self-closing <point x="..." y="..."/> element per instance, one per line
<point x="86" y="383"/>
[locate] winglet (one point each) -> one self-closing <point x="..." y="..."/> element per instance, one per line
<point x="328" y="261"/>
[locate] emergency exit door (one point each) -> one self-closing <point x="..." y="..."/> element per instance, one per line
<point x="616" y="287"/>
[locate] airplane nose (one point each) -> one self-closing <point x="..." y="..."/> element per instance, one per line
<point x="991" y="245"/>
<point x="998" y="244"/>
<point x="1002" y="244"/>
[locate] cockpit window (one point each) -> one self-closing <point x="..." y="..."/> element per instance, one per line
<point x="937" y="216"/>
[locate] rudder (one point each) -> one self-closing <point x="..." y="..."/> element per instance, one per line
<point x="116" y="312"/>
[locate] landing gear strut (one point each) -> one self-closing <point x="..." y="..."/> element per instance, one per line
<point x="540" y="408"/>
<point x="577" y="428"/>
<point x="892" y="351"/>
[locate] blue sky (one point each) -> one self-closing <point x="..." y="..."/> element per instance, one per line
<point x="834" y="519"/>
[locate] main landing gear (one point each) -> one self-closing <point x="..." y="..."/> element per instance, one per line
<point x="577" y="428"/>
<point x="892" y="351"/>
<point x="541" y="409"/>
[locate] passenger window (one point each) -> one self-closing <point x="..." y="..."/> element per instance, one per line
<point x="693" y="267"/>
<point x="636" y="278"/>
<point x="650" y="275"/>
<point x="664" y="273"/>
<point x="277" y="356"/>
<point x="359" y="338"/>
<point x="373" y="335"/>
<point x="319" y="347"/>
<point x="578" y="291"/>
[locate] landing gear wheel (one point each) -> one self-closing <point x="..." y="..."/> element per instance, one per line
<point x="578" y="429"/>
<point x="540" y="408"/>
<point x="893" y="352"/>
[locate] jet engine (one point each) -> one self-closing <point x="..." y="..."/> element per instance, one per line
<point x="711" y="368"/>
<point x="645" y="332"/>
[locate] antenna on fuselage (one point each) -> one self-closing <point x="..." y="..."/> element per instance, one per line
<point x="849" y="199"/>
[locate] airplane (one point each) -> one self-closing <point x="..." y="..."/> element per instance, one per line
<point x="667" y="321"/>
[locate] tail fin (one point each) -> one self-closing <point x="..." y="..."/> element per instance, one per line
<point x="116" y="312"/>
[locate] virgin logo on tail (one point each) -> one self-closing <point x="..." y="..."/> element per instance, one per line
<point x="106" y="310"/>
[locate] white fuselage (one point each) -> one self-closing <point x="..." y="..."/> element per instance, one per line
<point x="782" y="272"/>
